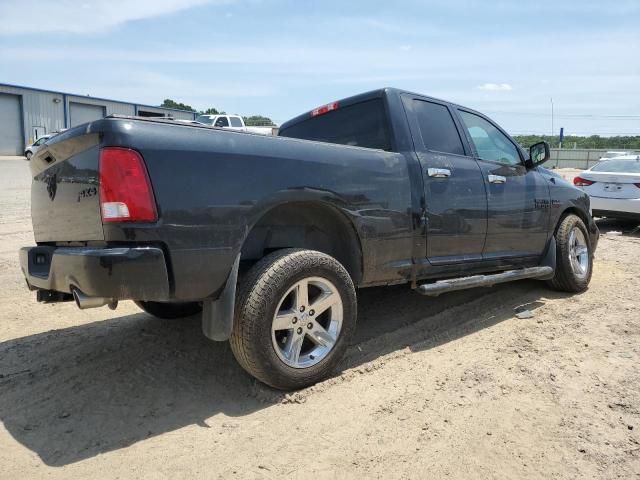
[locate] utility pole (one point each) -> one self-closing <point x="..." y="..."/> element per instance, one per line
<point x="552" y="129"/>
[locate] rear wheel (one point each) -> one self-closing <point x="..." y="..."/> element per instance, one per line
<point x="170" y="310"/>
<point x="295" y="316"/>
<point x="574" y="256"/>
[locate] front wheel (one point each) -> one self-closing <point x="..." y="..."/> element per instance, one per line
<point x="295" y="316"/>
<point x="29" y="155"/>
<point x="574" y="256"/>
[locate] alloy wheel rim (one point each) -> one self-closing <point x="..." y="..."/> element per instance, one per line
<point x="578" y="253"/>
<point x="307" y="322"/>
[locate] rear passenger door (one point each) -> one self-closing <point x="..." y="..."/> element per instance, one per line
<point x="517" y="197"/>
<point x="454" y="190"/>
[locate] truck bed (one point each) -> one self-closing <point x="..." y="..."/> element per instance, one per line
<point x="210" y="187"/>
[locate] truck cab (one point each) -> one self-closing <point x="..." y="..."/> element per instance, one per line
<point x="483" y="201"/>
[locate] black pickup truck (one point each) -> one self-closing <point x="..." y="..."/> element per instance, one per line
<point x="269" y="237"/>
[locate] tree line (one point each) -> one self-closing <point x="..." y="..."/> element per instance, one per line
<point x="250" y="121"/>
<point x="594" y="141"/>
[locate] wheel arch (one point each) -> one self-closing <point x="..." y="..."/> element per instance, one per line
<point x="571" y="210"/>
<point x="308" y="224"/>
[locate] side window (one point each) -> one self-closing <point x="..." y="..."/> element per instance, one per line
<point x="490" y="142"/>
<point x="222" y="122"/>
<point x="236" y="122"/>
<point x="437" y="128"/>
<point x="38" y="142"/>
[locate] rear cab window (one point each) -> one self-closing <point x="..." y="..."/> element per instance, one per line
<point x="362" y="124"/>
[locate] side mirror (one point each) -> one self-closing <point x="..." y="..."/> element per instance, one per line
<point x="538" y="154"/>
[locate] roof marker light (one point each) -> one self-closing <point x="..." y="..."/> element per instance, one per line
<point x="329" y="107"/>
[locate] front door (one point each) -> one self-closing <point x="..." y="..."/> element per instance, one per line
<point x="517" y="197"/>
<point x="455" y="197"/>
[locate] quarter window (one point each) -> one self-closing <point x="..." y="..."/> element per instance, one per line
<point x="491" y="144"/>
<point x="438" y="131"/>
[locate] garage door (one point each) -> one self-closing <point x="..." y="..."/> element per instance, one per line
<point x="82" y="113"/>
<point x="11" y="141"/>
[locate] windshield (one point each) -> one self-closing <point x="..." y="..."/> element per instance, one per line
<point x="617" y="166"/>
<point x="206" y="119"/>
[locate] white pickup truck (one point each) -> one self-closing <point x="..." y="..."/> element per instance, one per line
<point x="232" y="122"/>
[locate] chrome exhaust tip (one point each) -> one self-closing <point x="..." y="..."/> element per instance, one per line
<point x="83" y="301"/>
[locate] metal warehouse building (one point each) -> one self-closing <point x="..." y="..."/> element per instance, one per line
<point x="28" y="113"/>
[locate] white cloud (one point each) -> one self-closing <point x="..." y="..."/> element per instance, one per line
<point x="495" y="87"/>
<point x="74" y="16"/>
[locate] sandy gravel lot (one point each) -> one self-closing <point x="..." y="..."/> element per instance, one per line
<point x="454" y="387"/>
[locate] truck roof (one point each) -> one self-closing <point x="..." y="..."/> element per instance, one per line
<point x="378" y="93"/>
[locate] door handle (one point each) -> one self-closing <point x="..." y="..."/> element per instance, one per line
<point x="497" y="179"/>
<point x="439" y="172"/>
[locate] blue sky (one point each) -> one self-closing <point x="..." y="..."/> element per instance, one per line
<point x="282" y="57"/>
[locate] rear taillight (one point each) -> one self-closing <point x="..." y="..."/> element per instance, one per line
<point x="329" y="107"/>
<point x="125" y="189"/>
<point x="582" y="182"/>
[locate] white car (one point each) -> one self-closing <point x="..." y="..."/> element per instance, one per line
<point x="613" y="185"/>
<point x="33" y="148"/>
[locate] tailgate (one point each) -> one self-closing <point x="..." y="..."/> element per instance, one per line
<point x="65" y="204"/>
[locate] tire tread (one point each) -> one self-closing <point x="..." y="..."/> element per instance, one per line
<point x="256" y="291"/>
<point x="564" y="279"/>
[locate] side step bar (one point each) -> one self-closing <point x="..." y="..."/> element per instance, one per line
<point x="461" y="283"/>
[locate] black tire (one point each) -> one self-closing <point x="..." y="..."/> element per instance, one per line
<point x="565" y="278"/>
<point x="170" y="310"/>
<point x="259" y="295"/>
<point x="29" y="155"/>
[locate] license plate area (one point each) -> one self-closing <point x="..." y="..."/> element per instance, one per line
<point x="40" y="261"/>
<point x="612" y="187"/>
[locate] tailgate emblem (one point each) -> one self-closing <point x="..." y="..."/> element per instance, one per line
<point x="52" y="186"/>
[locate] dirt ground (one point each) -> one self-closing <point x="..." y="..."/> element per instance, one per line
<point x="454" y="387"/>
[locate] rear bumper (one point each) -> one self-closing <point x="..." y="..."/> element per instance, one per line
<point x="622" y="206"/>
<point x="138" y="273"/>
